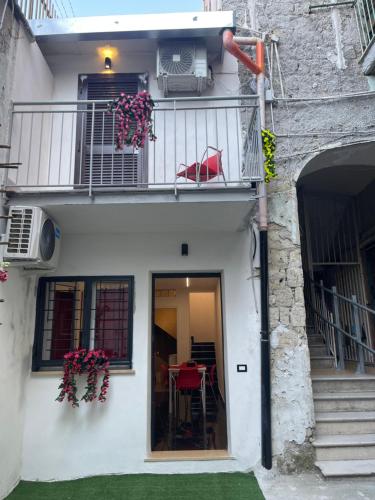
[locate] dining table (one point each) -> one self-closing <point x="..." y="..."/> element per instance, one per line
<point x="173" y="371"/>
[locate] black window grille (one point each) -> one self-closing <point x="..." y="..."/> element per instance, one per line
<point x="84" y="312"/>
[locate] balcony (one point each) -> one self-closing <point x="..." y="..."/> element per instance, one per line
<point x="70" y="147"/>
<point x="365" y="16"/>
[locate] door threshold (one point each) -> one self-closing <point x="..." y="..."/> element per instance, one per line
<point x="188" y="455"/>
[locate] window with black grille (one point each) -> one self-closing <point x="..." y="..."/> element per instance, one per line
<point x="84" y="312"/>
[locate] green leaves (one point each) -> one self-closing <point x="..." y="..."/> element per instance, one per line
<point x="269" y="148"/>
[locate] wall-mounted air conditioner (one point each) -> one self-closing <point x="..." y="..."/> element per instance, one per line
<point x="33" y="238"/>
<point x="182" y="67"/>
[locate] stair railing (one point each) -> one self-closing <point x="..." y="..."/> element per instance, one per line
<point x="346" y="326"/>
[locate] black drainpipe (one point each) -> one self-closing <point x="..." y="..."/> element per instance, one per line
<point x="265" y="354"/>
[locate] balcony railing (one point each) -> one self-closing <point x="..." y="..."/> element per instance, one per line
<point x="365" y="14"/>
<point x="71" y="145"/>
<point x="37" y="9"/>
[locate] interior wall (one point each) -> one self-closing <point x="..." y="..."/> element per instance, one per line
<point x="166" y="318"/>
<point x="181" y="303"/>
<point x="219" y="342"/>
<point x="202" y="316"/>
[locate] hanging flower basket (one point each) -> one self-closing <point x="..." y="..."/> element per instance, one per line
<point x="133" y="117"/>
<point x="3" y="272"/>
<point x="78" y="362"/>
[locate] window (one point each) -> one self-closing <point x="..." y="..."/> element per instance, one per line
<point x="84" y="312"/>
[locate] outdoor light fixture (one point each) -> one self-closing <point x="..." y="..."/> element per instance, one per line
<point x="184" y="249"/>
<point x="107" y="63"/>
<point x="187" y="282"/>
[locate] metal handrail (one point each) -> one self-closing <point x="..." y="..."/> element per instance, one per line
<point x="365" y="17"/>
<point x="56" y="149"/>
<point x="253" y="97"/>
<point x="334" y="333"/>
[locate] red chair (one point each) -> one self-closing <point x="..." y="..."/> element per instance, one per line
<point x="189" y="379"/>
<point x="211" y="380"/>
<point x="205" y="170"/>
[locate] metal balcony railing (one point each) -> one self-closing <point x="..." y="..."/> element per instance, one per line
<point x="37" y="9"/>
<point x="365" y="15"/>
<point x="71" y="145"/>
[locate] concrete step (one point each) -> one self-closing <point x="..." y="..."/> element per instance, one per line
<point x="342" y="383"/>
<point x="345" y="447"/>
<point x="346" y="468"/>
<point x="345" y="422"/>
<point x="321" y="362"/>
<point x="318" y="350"/>
<point x="315" y="340"/>
<point x="344" y="401"/>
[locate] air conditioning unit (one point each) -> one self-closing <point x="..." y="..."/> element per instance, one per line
<point x="33" y="238"/>
<point x="182" y="67"/>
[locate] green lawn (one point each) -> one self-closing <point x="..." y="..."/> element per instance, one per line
<point x="231" y="486"/>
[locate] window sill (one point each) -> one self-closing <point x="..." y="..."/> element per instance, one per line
<point x="59" y="373"/>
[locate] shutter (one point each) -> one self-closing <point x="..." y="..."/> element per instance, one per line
<point x="109" y="167"/>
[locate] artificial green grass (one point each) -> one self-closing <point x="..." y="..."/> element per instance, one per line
<point x="229" y="486"/>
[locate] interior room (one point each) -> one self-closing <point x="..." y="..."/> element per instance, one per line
<point x="188" y="382"/>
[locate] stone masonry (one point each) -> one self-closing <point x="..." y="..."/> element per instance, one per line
<point x="319" y="55"/>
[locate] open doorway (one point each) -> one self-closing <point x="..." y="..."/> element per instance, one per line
<point x="188" y="383"/>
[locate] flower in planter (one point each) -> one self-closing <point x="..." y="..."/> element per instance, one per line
<point x="134" y="122"/>
<point x="92" y="362"/>
<point x="3" y="272"/>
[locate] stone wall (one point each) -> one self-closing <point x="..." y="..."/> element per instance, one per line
<point x="319" y="55"/>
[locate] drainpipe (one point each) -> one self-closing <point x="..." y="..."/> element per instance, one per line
<point x="232" y="45"/>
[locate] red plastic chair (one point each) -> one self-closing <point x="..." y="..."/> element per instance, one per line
<point x="189" y="379"/>
<point x="211" y="380"/>
<point x="206" y="169"/>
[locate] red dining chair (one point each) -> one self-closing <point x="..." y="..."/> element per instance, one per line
<point x="189" y="379"/>
<point x="206" y="169"/>
<point x="211" y="380"/>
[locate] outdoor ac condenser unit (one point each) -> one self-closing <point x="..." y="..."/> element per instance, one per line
<point x="182" y="67"/>
<point x="33" y="238"/>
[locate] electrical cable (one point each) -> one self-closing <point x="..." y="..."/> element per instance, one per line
<point x="71" y="8"/>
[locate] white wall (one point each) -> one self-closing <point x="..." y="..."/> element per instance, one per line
<point x="17" y="318"/>
<point x="47" y="149"/>
<point x="62" y="443"/>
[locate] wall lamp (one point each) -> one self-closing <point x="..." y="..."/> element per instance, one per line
<point x="107" y="63"/>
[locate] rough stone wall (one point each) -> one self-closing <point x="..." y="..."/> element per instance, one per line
<point x="319" y="55"/>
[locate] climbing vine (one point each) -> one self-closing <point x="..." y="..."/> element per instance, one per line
<point x="134" y="122"/>
<point x="92" y="362"/>
<point x="269" y="148"/>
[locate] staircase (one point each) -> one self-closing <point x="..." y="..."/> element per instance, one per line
<point x="204" y="354"/>
<point x="344" y="438"/>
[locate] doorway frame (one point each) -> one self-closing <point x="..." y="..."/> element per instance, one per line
<point x="181" y="274"/>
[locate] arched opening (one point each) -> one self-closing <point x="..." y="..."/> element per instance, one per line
<point x="336" y="202"/>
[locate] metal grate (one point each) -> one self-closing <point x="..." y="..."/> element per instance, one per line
<point x="89" y="313"/>
<point x="63" y="318"/>
<point x="20" y="231"/>
<point x="365" y="15"/>
<point x="111" y="311"/>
